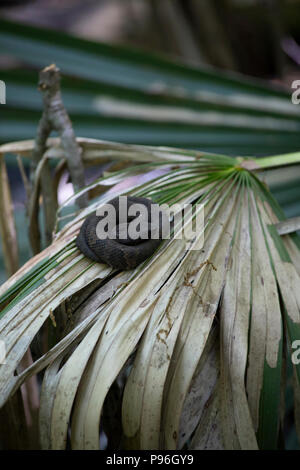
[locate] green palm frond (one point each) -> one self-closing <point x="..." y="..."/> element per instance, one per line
<point x="195" y="337"/>
<point x="126" y="95"/>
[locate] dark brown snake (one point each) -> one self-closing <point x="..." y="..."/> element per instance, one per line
<point x="119" y="253"/>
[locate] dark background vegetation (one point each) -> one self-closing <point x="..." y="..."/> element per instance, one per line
<point x="253" y="37"/>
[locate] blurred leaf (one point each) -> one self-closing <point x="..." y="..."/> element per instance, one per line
<point x="120" y="94"/>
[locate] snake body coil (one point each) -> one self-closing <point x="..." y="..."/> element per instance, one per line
<point x="121" y="253"/>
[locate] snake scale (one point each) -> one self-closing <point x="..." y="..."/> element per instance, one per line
<point x="121" y="252"/>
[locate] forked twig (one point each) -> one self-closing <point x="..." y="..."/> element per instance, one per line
<point x="54" y="118"/>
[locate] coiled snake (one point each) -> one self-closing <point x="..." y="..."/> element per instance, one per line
<point x="121" y="251"/>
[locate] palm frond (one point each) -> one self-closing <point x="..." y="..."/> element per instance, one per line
<point x="189" y="333"/>
<point x="127" y="95"/>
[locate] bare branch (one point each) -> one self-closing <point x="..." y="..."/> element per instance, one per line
<point x="56" y="118"/>
<point x="59" y="121"/>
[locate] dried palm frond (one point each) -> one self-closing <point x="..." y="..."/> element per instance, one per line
<point x="192" y="339"/>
